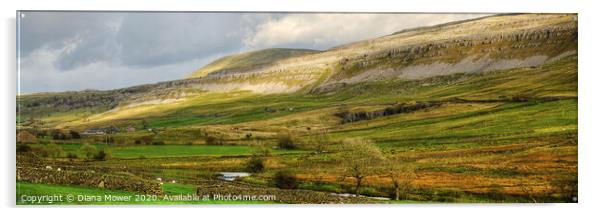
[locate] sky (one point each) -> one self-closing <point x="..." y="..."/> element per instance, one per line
<point x="65" y="51"/>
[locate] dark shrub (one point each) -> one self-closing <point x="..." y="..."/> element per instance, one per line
<point x="286" y="141"/>
<point x="213" y="140"/>
<point x="102" y="155"/>
<point x="210" y="140"/>
<point x="23" y="148"/>
<point x="41" y="133"/>
<point x="255" y="164"/>
<point x="285" y="180"/>
<point x="74" y="134"/>
<point x="71" y="155"/>
<point x="158" y="143"/>
<point x="57" y="135"/>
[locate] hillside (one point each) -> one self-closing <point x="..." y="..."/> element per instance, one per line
<point x="248" y="60"/>
<point x="473" y="46"/>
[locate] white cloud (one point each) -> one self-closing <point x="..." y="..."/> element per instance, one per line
<point x="322" y="31"/>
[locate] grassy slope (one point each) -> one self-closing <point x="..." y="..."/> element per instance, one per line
<point x="507" y="121"/>
<point x="498" y="25"/>
<point x="555" y="79"/>
<point x="249" y="60"/>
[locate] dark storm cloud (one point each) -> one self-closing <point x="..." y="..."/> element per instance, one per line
<point x="81" y="38"/>
<point x="157" y="39"/>
<point x="53" y="29"/>
<point x="134" y="39"/>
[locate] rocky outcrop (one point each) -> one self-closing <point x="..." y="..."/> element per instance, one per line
<point x="349" y="117"/>
<point x="473" y="53"/>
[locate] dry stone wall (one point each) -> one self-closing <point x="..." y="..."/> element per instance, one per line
<point x="213" y="188"/>
<point x="89" y="179"/>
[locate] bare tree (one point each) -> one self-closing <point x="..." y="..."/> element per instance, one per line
<point x="360" y="158"/>
<point x="402" y="176"/>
